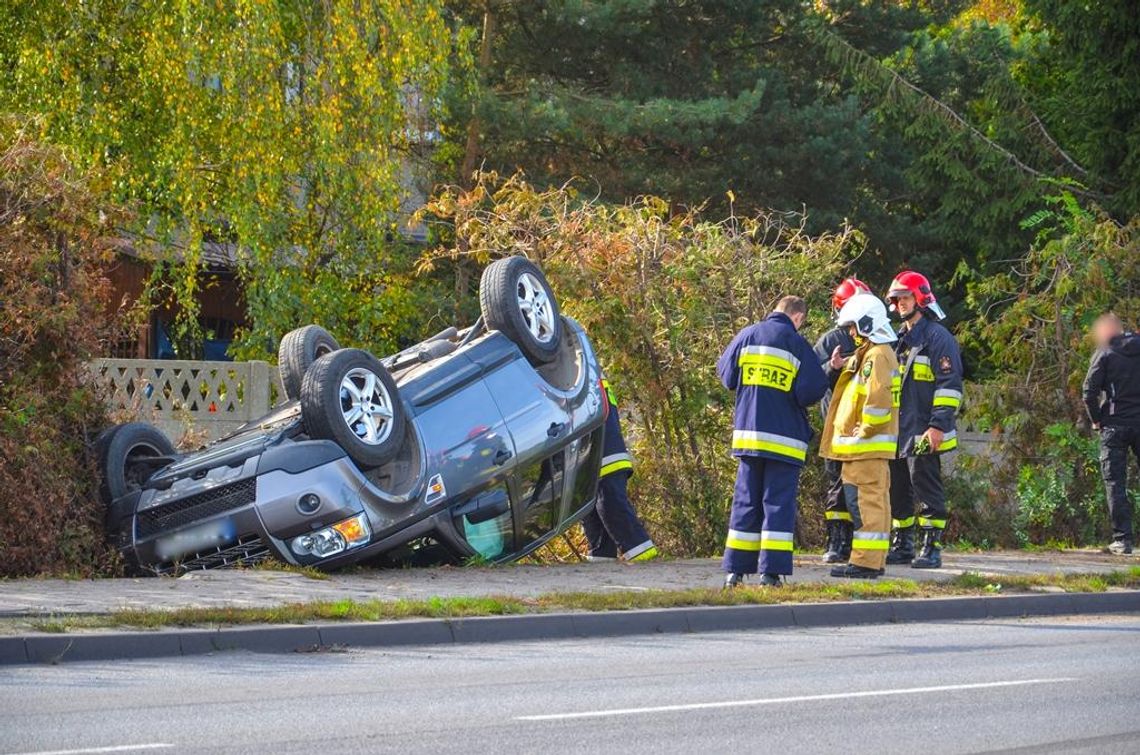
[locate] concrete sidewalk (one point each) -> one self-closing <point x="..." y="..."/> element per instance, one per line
<point x="250" y="588"/>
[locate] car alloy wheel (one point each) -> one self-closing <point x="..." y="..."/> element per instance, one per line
<point x="349" y="397"/>
<point x="366" y="406"/>
<point x="516" y="300"/>
<point x="536" y="309"/>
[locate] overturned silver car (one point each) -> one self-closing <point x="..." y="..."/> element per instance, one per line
<point x="483" y="442"/>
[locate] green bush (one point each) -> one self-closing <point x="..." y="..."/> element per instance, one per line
<point x="1060" y="496"/>
<point x="53" y="313"/>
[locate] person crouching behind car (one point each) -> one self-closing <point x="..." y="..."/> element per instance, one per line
<point x="776" y="377"/>
<point x="613" y="526"/>
<point x="861" y="430"/>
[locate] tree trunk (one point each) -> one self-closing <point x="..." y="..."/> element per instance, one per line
<point x="473" y="148"/>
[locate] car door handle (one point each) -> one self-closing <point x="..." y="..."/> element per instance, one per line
<point x="555" y="429"/>
<point x="502" y="457"/>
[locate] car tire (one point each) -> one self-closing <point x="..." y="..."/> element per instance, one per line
<point x="370" y="428"/>
<point x="118" y="451"/>
<point x="297" y="352"/>
<point x="517" y="301"/>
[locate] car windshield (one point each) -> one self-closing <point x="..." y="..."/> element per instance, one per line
<point x="220" y="449"/>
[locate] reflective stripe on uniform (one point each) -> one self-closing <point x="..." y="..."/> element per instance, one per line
<point x="772" y="354"/>
<point x="848" y="446"/>
<point x="875" y="416"/>
<point x="750" y="440"/>
<point x="871" y="541"/>
<point x="948" y="397"/>
<point x="902" y="524"/>
<point x="615" y="463"/>
<point x="772" y="540"/>
<point x="924" y="521"/>
<point x="611" y="397"/>
<point x="841" y="516"/>
<point x="743" y="541"/>
<point x="637" y="550"/>
<point x="949" y="441"/>
<point x="768" y="367"/>
<point x="922" y="370"/>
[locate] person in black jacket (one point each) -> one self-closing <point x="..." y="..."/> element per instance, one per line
<point x="840" y="526"/>
<point x="1112" y="398"/>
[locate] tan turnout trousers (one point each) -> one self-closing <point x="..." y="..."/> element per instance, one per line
<point x="867" y="484"/>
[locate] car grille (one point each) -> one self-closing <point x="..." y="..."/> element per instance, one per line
<point x="199" y="506"/>
<point x="248" y="550"/>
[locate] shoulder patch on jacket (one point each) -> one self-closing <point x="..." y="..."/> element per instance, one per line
<point x="945" y="365"/>
<point x="867" y="367"/>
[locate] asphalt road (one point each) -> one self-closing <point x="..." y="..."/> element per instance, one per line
<point x="1053" y="685"/>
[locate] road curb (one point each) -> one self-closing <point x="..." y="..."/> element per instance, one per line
<point x="56" y="648"/>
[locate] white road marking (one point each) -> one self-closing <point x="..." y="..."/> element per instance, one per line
<point x="782" y="700"/>
<point x="112" y="748"/>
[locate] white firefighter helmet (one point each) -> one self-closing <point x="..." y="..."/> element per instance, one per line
<point x="869" y="316"/>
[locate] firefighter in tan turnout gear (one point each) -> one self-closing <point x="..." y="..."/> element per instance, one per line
<point x="861" y="431"/>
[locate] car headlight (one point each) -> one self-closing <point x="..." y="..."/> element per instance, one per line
<point x="335" y="539"/>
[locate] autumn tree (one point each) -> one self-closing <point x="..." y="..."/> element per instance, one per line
<point x="282" y="130"/>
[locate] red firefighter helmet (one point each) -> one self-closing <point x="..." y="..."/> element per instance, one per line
<point x="915" y="284"/>
<point x="845" y="290"/>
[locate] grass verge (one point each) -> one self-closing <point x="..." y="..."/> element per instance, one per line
<point x="461" y="607"/>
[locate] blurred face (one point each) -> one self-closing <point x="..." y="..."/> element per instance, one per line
<point x="1105" y="329"/>
<point x="905" y="305"/>
<point x="798" y="319"/>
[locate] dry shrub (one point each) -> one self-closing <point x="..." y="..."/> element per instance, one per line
<point x="53" y="316"/>
<point x="661" y="291"/>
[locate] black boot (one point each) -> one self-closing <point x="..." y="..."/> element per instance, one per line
<point x="931" y="555"/>
<point x="834" y="554"/>
<point x="854" y="571"/>
<point x="732" y="579"/>
<point x="846" y="534"/>
<point x="902" y="546"/>
<point x="771" y="580"/>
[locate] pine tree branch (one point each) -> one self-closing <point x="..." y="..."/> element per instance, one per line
<point x="840" y="52"/>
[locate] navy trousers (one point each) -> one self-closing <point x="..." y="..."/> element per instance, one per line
<point x="613" y="524"/>
<point x="763" y="518"/>
<point x="836" y="507"/>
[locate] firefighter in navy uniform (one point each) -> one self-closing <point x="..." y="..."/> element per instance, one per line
<point x="613" y="527"/>
<point x="931" y="367"/>
<point x="835" y="514"/>
<point x="776" y="377"/>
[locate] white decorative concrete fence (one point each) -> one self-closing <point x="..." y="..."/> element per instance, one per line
<point x="212" y="398"/>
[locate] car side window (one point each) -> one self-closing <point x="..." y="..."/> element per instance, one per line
<point x="587" y="456"/>
<point x="486" y="522"/>
<point x="540" y="495"/>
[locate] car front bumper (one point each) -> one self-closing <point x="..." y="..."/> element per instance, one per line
<point x="234" y="515"/>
